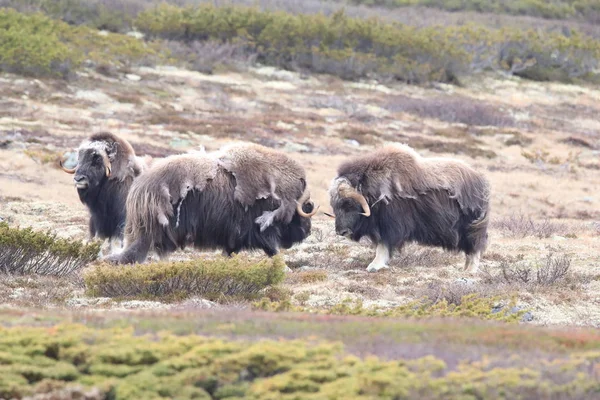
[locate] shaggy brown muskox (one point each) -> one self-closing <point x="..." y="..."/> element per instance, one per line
<point x="106" y="168"/>
<point x="394" y="196"/>
<point x="244" y="196"/>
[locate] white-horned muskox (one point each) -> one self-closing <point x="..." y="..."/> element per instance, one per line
<point x="106" y="168"/>
<point x="242" y="197"/>
<point x="394" y="196"/>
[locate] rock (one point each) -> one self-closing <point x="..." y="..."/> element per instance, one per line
<point x="464" y="281"/>
<point x="352" y="142"/>
<point x="177" y="107"/>
<point x="296" y="147"/>
<point x="288" y="127"/>
<point x="178" y="143"/>
<point x="527" y="317"/>
<point x="133" y="77"/>
<point x="136" y="34"/>
<point x="95" y="96"/>
<point x="558" y="238"/>
<point x="197" y="303"/>
<point x="70" y="159"/>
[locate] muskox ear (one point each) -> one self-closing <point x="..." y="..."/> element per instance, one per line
<point x="308" y="207"/>
<point x="111" y="150"/>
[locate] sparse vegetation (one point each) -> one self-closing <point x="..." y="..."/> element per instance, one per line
<point x="352" y="48"/>
<point x="453" y="109"/>
<point x="219" y="279"/>
<point x="468" y="306"/>
<point x="25" y="251"/>
<point x="588" y="10"/>
<point x="521" y="226"/>
<point x="39" y="46"/>
<point x="128" y="364"/>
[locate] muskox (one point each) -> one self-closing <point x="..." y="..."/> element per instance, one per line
<point x="106" y="168"/>
<point x="242" y="197"/>
<point x="394" y="196"/>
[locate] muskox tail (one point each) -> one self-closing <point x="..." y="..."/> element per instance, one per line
<point x="477" y="232"/>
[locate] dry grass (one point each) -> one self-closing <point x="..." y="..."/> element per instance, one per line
<point x="452" y="109"/>
<point x="304" y="277"/>
<point x="469" y="147"/>
<point x="522" y="226"/>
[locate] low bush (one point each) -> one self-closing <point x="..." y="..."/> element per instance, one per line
<point x="36" y="45"/>
<point x="351" y="48"/>
<point x="588" y="10"/>
<point x="521" y="226"/>
<point x="552" y="270"/>
<point x="124" y="364"/>
<point x="455" y="109"/>
<point x="218" y="279"/>
<point x="25" y="251"/>
<point x="468" y="306"/>
<point x="355" y="48"/>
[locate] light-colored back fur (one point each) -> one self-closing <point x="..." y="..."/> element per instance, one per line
<point x="397" y="171"/>
<point x="261" y="173"/>
<point x="153" y="194"/>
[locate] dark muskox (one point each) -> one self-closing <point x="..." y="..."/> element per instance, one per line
<point x="242" y="197"/>
<point x="106" y="168"/>
<point x="394" y="196"/>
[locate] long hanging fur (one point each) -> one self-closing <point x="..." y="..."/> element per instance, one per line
<point x="433" y="201"/>
<point x="216" y="200"/>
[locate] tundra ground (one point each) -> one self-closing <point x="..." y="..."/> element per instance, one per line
<point x="537" y="143"/>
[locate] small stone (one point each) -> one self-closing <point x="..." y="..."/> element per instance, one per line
<point x="296" y="148"/>
<point x="527" y="317"/>
<point x="133" y="77"/>
<point x="135" y="34"/>
<point x="70" y="159"/>
<point x="559" y="238"/>
<point x="177" y="107"/>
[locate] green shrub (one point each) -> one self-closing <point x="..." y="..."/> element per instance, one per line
<point x="25" y="251"/>
<point x="588" y="10"/>
<point x="124" y="364"/>
<point x="349" y="47"/>
<point x="469" y="306"/>
<point x="234" y="277"/>
<point x="355" y="48"/>
<point x="36" y="45"/>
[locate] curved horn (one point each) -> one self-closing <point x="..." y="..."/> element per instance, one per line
<point x="348" y="191"/>
<point x="300" y="202"/>
<point x="106" y="164"/>
<point x="67" y="170"/>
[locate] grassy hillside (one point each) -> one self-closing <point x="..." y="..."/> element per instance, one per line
<point x="351" y="48"/>
<point x="588" y="10"/>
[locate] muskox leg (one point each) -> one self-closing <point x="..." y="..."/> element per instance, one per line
<point x="382" y="256"/>
<point x="472" y="262"/>
<point x="137" y="252"/>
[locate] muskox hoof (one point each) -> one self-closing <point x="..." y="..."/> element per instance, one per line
<point x="112" y="259"/>
<point x="376" y="267"/>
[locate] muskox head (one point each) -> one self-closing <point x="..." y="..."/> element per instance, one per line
<point x="300" y="226"/>
<point x="349" y="207"/>
<point x="93" y="166"/>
